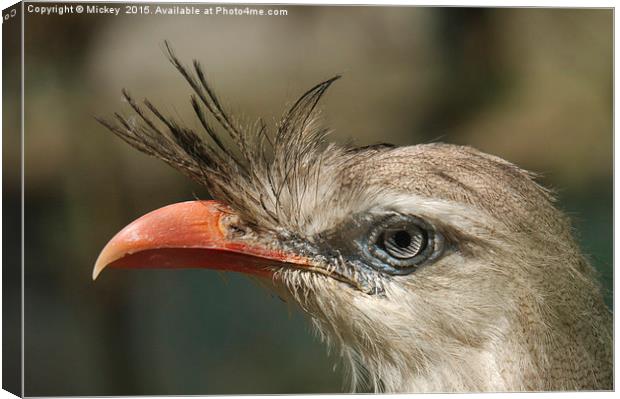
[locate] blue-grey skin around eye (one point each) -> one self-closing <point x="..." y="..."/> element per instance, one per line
<point x="357" y="242"/>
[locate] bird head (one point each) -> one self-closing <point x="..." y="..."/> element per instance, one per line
<point x="418" y="263"/>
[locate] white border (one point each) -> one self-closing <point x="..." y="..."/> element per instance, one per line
<point x="546" y="3"/>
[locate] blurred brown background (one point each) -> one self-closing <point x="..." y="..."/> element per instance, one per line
<point x="533" y="86"/>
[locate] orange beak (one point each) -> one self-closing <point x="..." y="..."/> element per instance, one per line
<point x="191" y="234"/>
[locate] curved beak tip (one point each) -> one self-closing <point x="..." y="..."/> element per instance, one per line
<point x="101" y="263"/>
<point x="98" y="268"/>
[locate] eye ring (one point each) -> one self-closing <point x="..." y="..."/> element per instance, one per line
<point x="404" y="242"/>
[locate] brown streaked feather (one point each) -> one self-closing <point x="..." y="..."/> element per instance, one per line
<point x="252" y="174"/>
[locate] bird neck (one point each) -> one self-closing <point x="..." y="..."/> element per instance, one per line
<point x="527" y="335"/>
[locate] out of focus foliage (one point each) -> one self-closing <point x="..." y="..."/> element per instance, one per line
<point x="533" y="86"/>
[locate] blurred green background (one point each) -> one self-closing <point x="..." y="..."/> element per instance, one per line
<point x="533" y="86"/>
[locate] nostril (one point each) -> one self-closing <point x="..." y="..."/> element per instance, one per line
<point x="233" y="226"/>
<point x="236" y="232"/>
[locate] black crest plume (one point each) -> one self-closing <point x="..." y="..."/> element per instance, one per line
<point x="252" y="170"/>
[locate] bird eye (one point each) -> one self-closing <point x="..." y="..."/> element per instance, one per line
<point x="404" y="242"/>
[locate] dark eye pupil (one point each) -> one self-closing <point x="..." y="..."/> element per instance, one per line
<point x="404" y="243"/>
<point x="402" y="238"/>
<point x="401" y="243"/>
